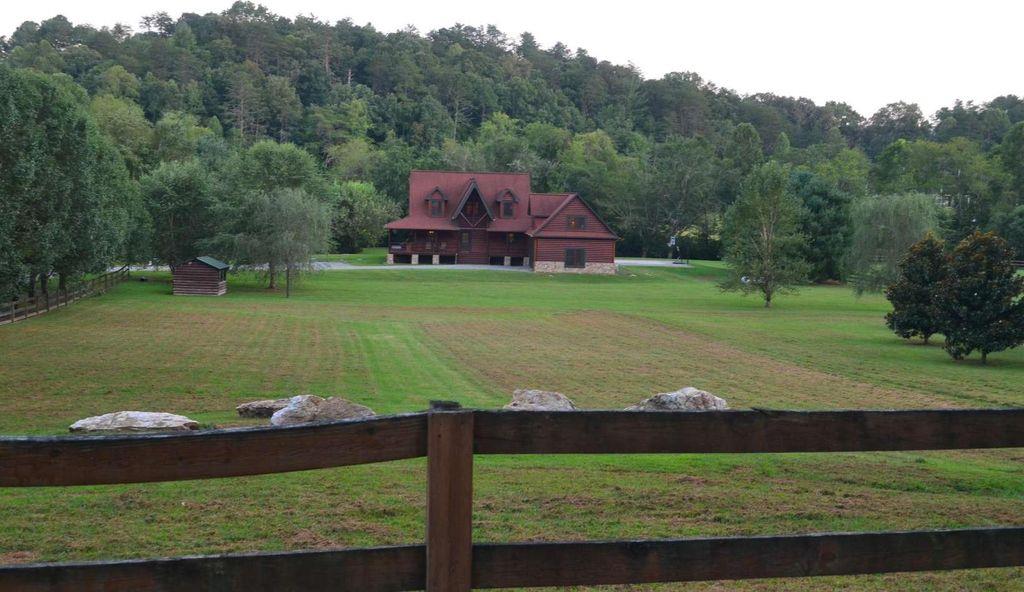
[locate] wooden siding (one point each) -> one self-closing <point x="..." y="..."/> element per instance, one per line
<point x="477" y="253"/>
<point x="560" y="222"/>
<point x="599" y="250"/>
<point x="497" y="245"/>
<point x="195" y="278"/>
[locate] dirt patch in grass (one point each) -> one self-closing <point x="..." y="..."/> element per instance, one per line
<point x="605" y="359"/>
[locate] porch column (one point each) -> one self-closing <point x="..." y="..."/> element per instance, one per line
<point x="508" y="261"/>
<point x="435" y="259"/>
<point x="526" y="261"/>
<point x="415" y="259"/>
<point x="391" y="258"/>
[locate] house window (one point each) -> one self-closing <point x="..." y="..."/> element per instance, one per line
<point x="471" y="208"/>
<point x="577" y="222"/>
<point x="436" y="208"/>
<point x="464" y="241"/>
<point x="507" y="209"/>
<point x="576" y="258"/>
<point x="510" y="238"/>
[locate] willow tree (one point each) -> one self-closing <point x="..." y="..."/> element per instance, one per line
<point x="762" y="238"/>
<point x="884" y="228"/>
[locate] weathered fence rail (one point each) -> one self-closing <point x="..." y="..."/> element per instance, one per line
<point x="450" y="561"/>
<point x="30" y="306"/>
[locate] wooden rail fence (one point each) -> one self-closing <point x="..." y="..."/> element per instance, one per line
<point x="30" y="306"/>
<point x="449" y="437"/>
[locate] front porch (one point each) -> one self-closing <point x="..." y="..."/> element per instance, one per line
<point x="442" y="247"/>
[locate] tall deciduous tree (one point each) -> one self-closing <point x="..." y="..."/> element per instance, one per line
<point x="180" y="201"/>
<point x="982" y="299"/>
<point x="278" y="230"/>
<point x="64" y="192"/>
<point x="359" y="216"/>
<point x="762" y="238"/>
<point x="914" y="293"/>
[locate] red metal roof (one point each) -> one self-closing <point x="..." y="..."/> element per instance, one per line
<point x="531" y="212"/>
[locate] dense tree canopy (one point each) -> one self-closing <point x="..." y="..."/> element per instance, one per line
<point x="262" y="103"/>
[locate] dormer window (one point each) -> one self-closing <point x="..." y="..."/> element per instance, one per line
<point x="436" y="207"/>
<point x="577" y="222"/>
<point x="507" y="203"/>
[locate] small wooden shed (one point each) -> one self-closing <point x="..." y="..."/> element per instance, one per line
<point x="204" y="276"/>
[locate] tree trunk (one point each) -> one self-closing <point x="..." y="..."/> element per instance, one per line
<point x="984" y="357"/>
<point x="32" y="284"/>
<point x="926" y="338"/>
<point x="273" y="275"/>
<point x="288" y="281"/>
<point x="43" y="284"/>
<point x="62" y="283"/>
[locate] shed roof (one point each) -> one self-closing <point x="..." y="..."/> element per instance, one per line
<point x="214" y="263"/>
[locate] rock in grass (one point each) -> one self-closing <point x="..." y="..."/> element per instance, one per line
<point x="263" y="408"/>
<point x="311" y="408"/>
<point x="534" y="400"/>
<point x="135" y="421"/>
<point x="685" y="399"/>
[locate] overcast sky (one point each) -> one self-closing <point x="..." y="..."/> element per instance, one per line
<point x="866" y="53"/>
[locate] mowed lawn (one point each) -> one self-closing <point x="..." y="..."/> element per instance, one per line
<point x="396" y="339"/>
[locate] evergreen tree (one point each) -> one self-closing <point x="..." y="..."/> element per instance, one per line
<point x="762" y="237"/>
<point x="981" y="300"/>
<point x="913" y="294"/>
<point x="825" y="223"/>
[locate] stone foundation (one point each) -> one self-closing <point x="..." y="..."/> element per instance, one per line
<point x="507" y="262"/>
<point x="415" y="260"/>
<point x="391" y="258"/>
<point x="559" y="267"/>
<point x="435" y="259"/>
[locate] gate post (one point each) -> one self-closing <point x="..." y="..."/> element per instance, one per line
<point x="449" y="497"/>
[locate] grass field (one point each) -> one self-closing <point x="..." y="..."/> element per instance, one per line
<point x="372" y="256"/>
<point x="396" y="339"/>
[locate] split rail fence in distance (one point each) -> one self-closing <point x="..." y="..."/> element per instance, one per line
<point x="30" y="306"/>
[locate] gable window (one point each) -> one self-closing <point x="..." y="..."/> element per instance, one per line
<point x="464" y="242"/>
<point x="577" y="222"/>
<point x="575" y="258"/>
<point x="436" y="208"/>
<point x="472" y="208"/>
<point x="508" y="209"/>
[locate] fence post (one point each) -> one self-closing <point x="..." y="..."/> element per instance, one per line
<point x="449" y="497"/>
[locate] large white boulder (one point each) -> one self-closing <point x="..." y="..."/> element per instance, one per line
<point x="534" y="400"/>
<point x="263" y="408"/>
<point x="135" y="421"/>
<point x="685" y="399"/>
<point x="311" y="408"/>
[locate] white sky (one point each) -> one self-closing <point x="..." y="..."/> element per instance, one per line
<point x="866" y="53"/>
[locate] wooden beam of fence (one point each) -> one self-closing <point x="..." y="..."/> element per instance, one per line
<point x="736" y="558"/>
<point x="628" y="432"/>
<point x="92" y="460"/>
<point x="388" y="569"/>
<point x="382" y="569"/>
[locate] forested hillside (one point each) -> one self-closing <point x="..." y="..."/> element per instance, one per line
<point x="190" y="102"/>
